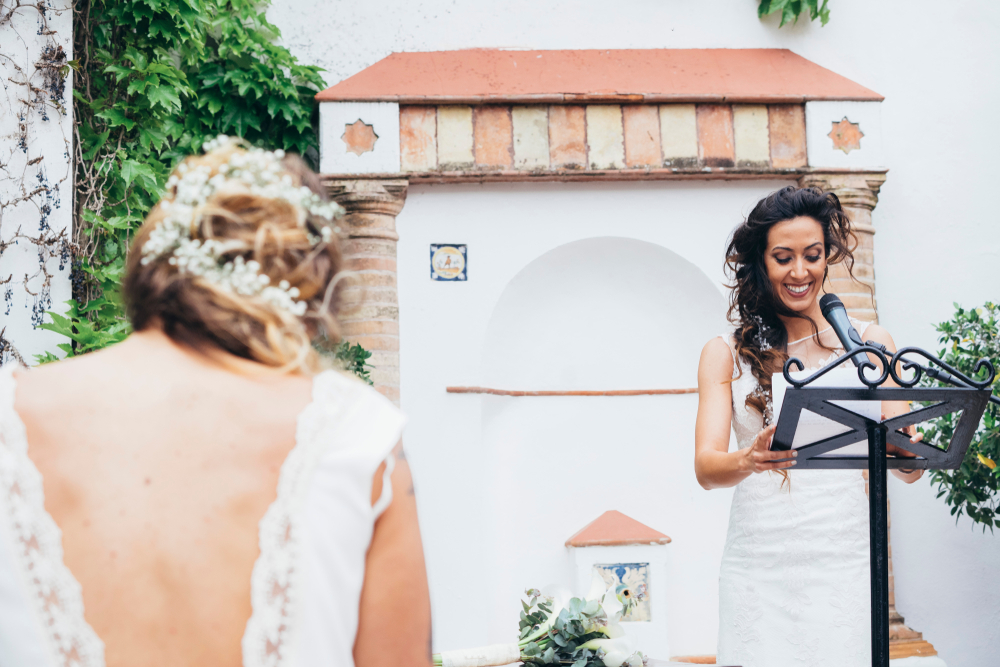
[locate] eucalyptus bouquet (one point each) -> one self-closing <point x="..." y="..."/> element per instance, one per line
<point x="558" y="629"/>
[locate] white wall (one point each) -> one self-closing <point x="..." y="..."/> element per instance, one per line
<point x="502" y="482"/>
<point x="938" y="240"/>
<point x="38" y="132"/>
<point x="600" y="313"/>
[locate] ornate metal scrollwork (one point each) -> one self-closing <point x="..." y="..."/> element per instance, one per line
<point x="866" y="365"/>
<point x="889" y="369"/>
<point x="918" y="369"/>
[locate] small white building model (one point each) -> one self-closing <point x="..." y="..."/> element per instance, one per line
<point x="623" y="551"/>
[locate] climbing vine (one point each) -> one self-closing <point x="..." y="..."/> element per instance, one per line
<point x="154" y="80"/>
<point x="33" y="248"/>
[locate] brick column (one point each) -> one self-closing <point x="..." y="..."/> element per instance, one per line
<point x="858" y="193"/>
<point x="369" y="247"/>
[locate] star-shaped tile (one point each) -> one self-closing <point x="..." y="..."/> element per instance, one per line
<point x="359" y="137"/>
<point x="846" y="136"/>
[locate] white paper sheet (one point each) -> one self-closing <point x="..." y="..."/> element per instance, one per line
<point x="813" y="427"/>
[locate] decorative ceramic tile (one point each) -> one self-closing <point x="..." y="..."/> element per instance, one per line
<point x="359" y="137"/>
<point x="844" y="135"/>
<point x="449" y="261"/>
<point x="632" y="575"/>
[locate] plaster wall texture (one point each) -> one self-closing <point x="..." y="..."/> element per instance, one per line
<point x="333" y="121"/>
<point x="567" y="289"/>
<point x="34" y="158"/>
<point x="937" y="242"/>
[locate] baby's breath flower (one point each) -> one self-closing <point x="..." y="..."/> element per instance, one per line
<point x="190" y="187"/>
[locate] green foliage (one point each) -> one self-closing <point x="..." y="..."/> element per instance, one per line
<point x="791" y="9"/>
<point x="563" y="641"/>
<point x="84" y="334"/>
<point x="154" y="80"/>
<point x="535" y="613"/>
<point x="974" y="488"/>
<point x="355" y="360"/>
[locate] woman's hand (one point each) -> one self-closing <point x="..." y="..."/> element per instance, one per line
<point x="907" y="475"/>
<point x="757" y="457"/>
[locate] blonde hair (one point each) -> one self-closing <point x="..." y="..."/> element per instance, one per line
<point x="201" y="314"/>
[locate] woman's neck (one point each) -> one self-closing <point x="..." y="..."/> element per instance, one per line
<point x="799" y="327"/>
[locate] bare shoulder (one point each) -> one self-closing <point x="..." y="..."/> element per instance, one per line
<point x="878" y="333"/>
<point x="51" y="383"/>
<point x="716" y="360"/>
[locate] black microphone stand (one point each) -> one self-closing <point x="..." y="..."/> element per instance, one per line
<point x="968" y="396"/>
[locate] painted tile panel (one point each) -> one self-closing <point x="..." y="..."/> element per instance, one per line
<point x="418" y="138"/>
<point x="787" y="129"/>
<point x="750" y="136"/>
<point x="493" y="137"/>
<point x="567" y="137"/>
<point x="531" y="137"/>
<point x="715" y="135"/>
<point x="605" y="137"/>
<point x="679" y="135"/>
<point x="454" y="136"/>
<point x="636" y="577"/>
<point x="642" y="135"/>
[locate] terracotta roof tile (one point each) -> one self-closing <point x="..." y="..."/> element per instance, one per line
<point x="615" y="529"/>
<point x="626" y="75"/>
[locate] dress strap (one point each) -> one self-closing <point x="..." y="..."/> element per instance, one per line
<point x="860" y="325"/>
<point x="275" y="583"/>
<point x="385" y="497"/>
<point x="728" y="338"/>
<point x="55" y="595"/>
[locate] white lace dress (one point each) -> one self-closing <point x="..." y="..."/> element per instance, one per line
<point x="306" y="583"/>
<point x="794" y="581"/>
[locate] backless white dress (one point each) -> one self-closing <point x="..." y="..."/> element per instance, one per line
<point x="306" y="583"/>
<point x="794" y="581"/>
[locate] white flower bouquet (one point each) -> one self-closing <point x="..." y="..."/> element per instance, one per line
<point x="557" y="629"/>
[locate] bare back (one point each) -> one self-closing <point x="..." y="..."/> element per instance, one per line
<point x="158" y="464"/>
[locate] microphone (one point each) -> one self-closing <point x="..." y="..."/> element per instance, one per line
<point x="835" y="313"/>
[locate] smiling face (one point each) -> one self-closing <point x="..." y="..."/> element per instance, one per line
<point x="796" y="261"/>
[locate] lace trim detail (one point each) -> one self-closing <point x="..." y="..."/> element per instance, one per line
<point x="276" y="579"/>
<point x="55" y="594"/>
<point x="791" y="560"/>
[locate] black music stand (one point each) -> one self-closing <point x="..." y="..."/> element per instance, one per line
<point x="969" y="397"/>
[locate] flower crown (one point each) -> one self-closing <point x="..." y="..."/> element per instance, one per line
<point x="258" y="172"/>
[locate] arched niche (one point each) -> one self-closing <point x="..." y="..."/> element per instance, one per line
<point x="599" y="314"/>
<point x="602" y="313"/>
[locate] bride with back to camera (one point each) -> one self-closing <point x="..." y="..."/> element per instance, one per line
<point x="793" y="585"/>
<point x="207" y="492"/>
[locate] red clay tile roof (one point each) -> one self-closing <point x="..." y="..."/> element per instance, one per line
<point x="478" y="76"/>
<point x="615" y="529"/>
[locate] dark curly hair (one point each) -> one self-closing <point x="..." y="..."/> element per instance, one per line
<point x="754" y="308"/>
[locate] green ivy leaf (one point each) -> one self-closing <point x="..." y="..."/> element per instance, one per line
<point x="132" y="170"/>
<point x="95" y="143"/>
<point x="152" y="136"/>
<point x="237" y="119"/>
<point x="164" y="96"/>
<point x="116" y="118"/>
